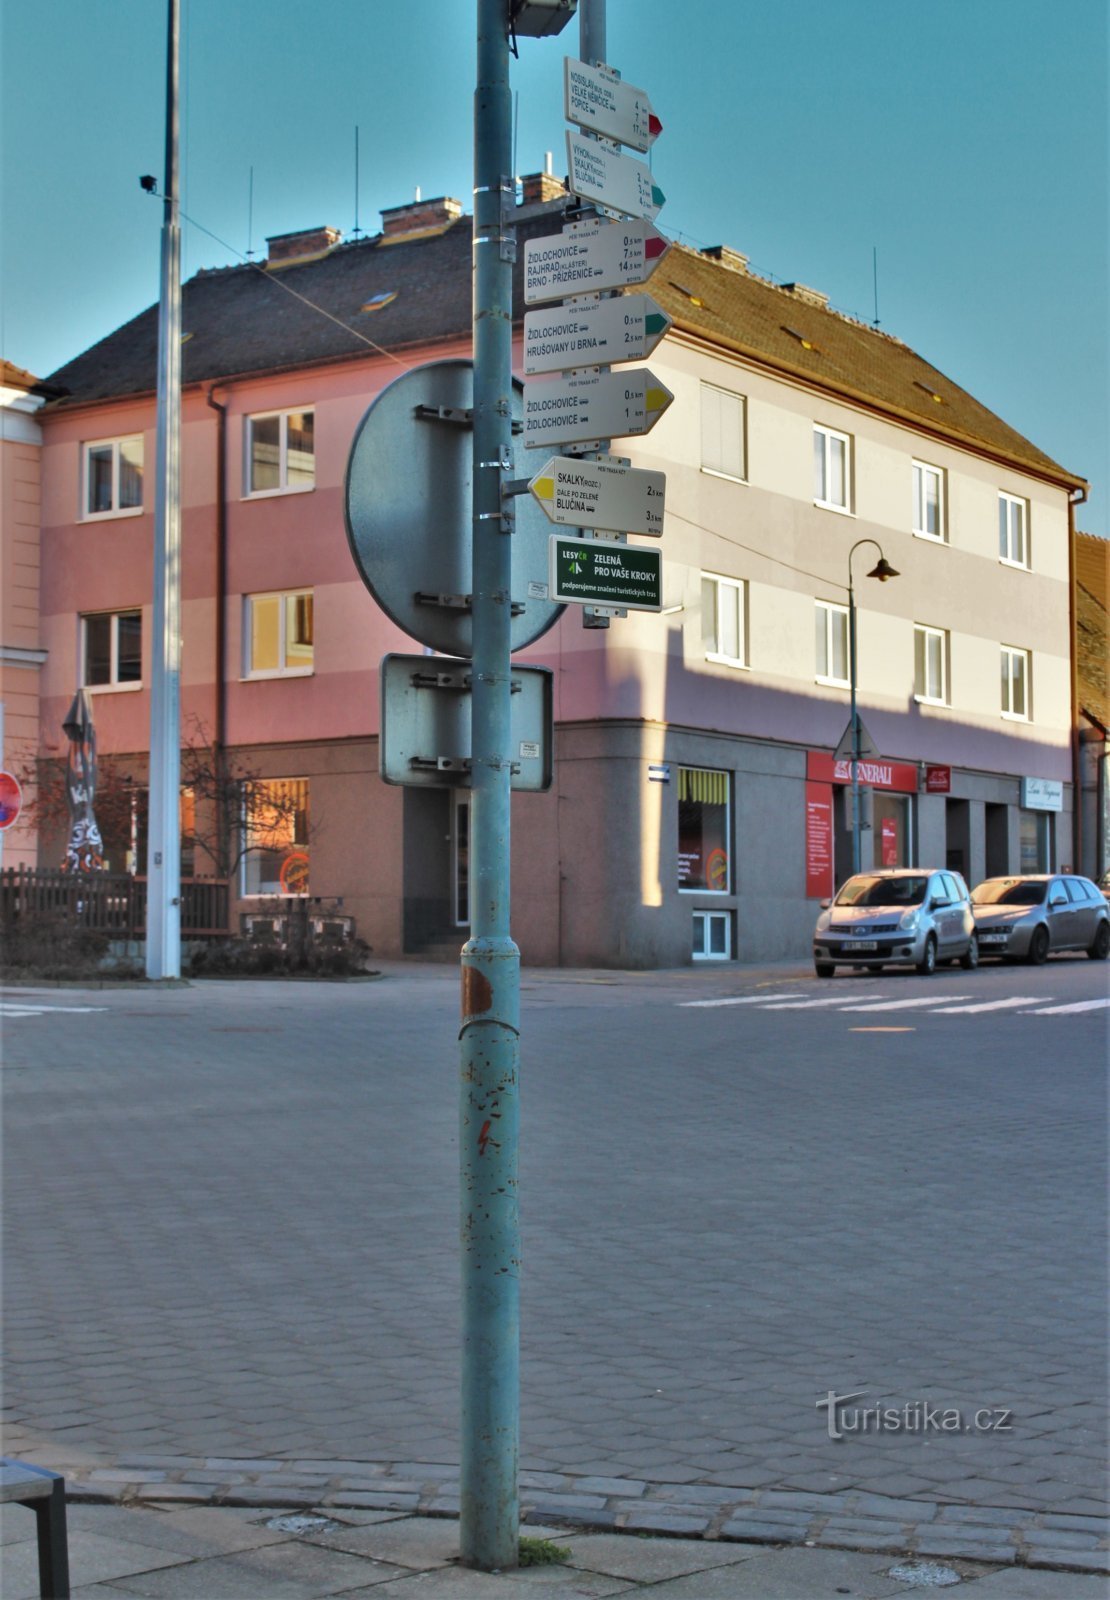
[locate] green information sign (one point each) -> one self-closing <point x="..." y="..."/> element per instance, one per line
<point x="593" y="572"/>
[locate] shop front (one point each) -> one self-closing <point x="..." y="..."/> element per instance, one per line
<point x="887" y="791"/>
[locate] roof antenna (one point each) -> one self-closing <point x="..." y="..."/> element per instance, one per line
<point x="250" y="215"/>
<point x="357" y="231"/>
<point x="875" y="280"/>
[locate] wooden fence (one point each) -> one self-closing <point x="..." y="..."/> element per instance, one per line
<point x="108" y="902"/>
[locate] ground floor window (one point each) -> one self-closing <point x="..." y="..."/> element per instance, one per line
<point x="123" y="817"/>
<point x="704" y="830"/>
<point x="275" y="857"/>
<point x="712" y="935"/>
<point x="1035" y="840"/>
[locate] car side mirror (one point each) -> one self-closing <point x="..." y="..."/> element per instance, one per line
<point x="825" y="904"/>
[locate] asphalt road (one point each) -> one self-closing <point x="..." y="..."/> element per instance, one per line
<point x="230" y="1225"/>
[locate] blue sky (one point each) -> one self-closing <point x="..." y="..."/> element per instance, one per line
<point x="966" y="140"/>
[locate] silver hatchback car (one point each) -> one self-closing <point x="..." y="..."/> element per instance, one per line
<point x="912" y="916"/>
<point x="1031" y="917"/>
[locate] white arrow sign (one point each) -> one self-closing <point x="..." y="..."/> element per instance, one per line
<point x="603" y="406"/>
<point x="590" y="256"/>
<point x="610" y="179"/>
<point x="600" y="494"/>
<point x="596" y="98"/>
<point x="626" y="328"/>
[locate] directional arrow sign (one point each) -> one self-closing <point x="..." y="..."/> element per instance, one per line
<point x="623" y="329"/>
<point x="610" y="179"/>
<point x="596" y="98"/>
<point x="600" y="494"/>
<point x="589" y="257"/>
<point x="605" y="405"/>
<point x="592" y="573"/>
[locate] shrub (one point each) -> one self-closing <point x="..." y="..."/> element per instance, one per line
<point x="49" y="945"/>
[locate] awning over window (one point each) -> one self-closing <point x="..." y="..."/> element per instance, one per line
<point x="700" y="783"/>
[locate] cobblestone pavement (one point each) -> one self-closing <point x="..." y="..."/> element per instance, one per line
<point x="230" y="1236"/>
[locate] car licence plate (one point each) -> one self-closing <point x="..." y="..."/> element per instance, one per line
<point x="863" y="944"/>
<point x="993" y="938"/>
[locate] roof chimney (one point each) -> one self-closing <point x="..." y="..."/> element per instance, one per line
<point x="420" y="216"/>
<point x="801" y="291"/>
<point x="726" y="256"/>
<point x="539" y="187"/>
<point x="305" y="245"/>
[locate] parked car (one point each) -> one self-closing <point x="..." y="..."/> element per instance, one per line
<point x="1030" y="917"/>
<point x="900" y="916"/>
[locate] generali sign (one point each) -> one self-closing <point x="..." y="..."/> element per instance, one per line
<point x="898" y="775"/>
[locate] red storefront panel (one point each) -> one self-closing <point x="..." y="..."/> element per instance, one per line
<point x="874" y="773"/>
<point x="819" y="841"/>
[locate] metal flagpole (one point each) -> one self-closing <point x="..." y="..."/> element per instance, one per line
<point x="163" y="910"/>
<point x="490" y="1036"/>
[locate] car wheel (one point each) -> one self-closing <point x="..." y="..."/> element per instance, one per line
<point x="928" y="963"/>
<point x="970" y="959"/>
<point x="1099" y="947"/>
<point x="824" y="969"/>
<point x="1038" y="947"/>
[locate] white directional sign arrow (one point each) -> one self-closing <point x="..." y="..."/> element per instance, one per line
<point x="588" y="257"/>
<point x="610" y="179"/>
<point x="602" y="406"/>
<point x="596" y="98"/>
<point x="600" y="494"/>
<point x="626" y="328"/>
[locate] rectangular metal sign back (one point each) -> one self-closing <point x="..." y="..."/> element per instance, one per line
<point x="426" y="723"/>
<point x="596" y="98"/>
<point x="609" y="179"/>
<point x="604" y="405"/>
<point x="601" y="494"/>
<point x="592" y="572"/>
<point x="588" y="257"/>
<point x="562" y="337"/>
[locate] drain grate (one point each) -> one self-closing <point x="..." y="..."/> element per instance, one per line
<point x="924" y="1574"/>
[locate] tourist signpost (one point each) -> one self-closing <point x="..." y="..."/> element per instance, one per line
<point x="600" y="494"/>
<point x="616" y="182"/>
<point x="591" y="572"/>
<point x="591" y="256"/>
<point x="597" y="98"/>
<point x="619" y="329"/>
<point x="592" y="405"/>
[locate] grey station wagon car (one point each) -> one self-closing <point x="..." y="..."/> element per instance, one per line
<point x="913" y="916"/>
<point x="1028" y="918"/>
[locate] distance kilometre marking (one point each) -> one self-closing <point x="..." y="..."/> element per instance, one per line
<point x="596" y="98"/>
<point x="600" y="494"/>
<point x="609" y="179"/>
<point x="623" y="329"/>
<point x="605" y="405"/>
<point x="593" y="572"/>
<point x="590" y="256"/>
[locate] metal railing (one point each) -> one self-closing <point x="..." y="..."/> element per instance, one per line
<point x="108" y="902"/>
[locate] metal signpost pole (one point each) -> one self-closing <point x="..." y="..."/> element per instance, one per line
<point x="163" y="912"/>
<point x="490" y="1036"/>
<point x="854" y="720"/>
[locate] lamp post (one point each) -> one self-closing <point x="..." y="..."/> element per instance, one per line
<point x="882" y="570"/>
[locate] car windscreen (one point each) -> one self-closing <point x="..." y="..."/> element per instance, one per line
<point x="1009" y="892"/>
<point x="868" y="891"/>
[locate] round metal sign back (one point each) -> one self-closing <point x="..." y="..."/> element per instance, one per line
<point x="409" y="511"/>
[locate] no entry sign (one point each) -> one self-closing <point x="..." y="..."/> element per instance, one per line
<point x="11" y="799"/>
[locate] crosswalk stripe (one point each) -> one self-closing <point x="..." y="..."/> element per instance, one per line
<point x="10" y="1009"/>
<point x="737" y="1000"/>
<point x="1076" y="1005"/>
<point x="906" y="1005"/>
<point x="812" y="1005"/>
<point x="989" y="1005"/>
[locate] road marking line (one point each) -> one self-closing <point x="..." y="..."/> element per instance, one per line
<point x="882" y="1030"/>
<point x="811" y="1005"/>
<point x="1076" y="1005"/>
<point x="8" y="1009"/>
<point x="737" y="1000"/>
<point x="989" y="1005"/>
<point x="903" y="1005"/>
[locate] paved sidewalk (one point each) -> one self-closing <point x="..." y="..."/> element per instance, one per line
<point x="165" y="1551"/>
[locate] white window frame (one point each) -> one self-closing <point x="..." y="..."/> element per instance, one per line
<point x="1010" y="501"/>
<point x="247" y="848"/>
<point x="1010" y="654"/>
<point x="719" y="393"/>
<point x="921" y="693"/>
<point x="831" y="609"/>
<point x="250" y="672"/>
<point x="283" y="486"/>
<point x="739" y="588"/>
<point x="826" y="435"/>
<point x="919" y="470"/>
<point x="115" y="510"/>
<point x="113" y="686"/>
<point x="707" y="917"/>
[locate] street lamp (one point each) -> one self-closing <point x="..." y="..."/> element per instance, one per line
<point x="882" y="570"/>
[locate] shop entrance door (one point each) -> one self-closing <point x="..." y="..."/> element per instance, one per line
<point x="460" y="857"/>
